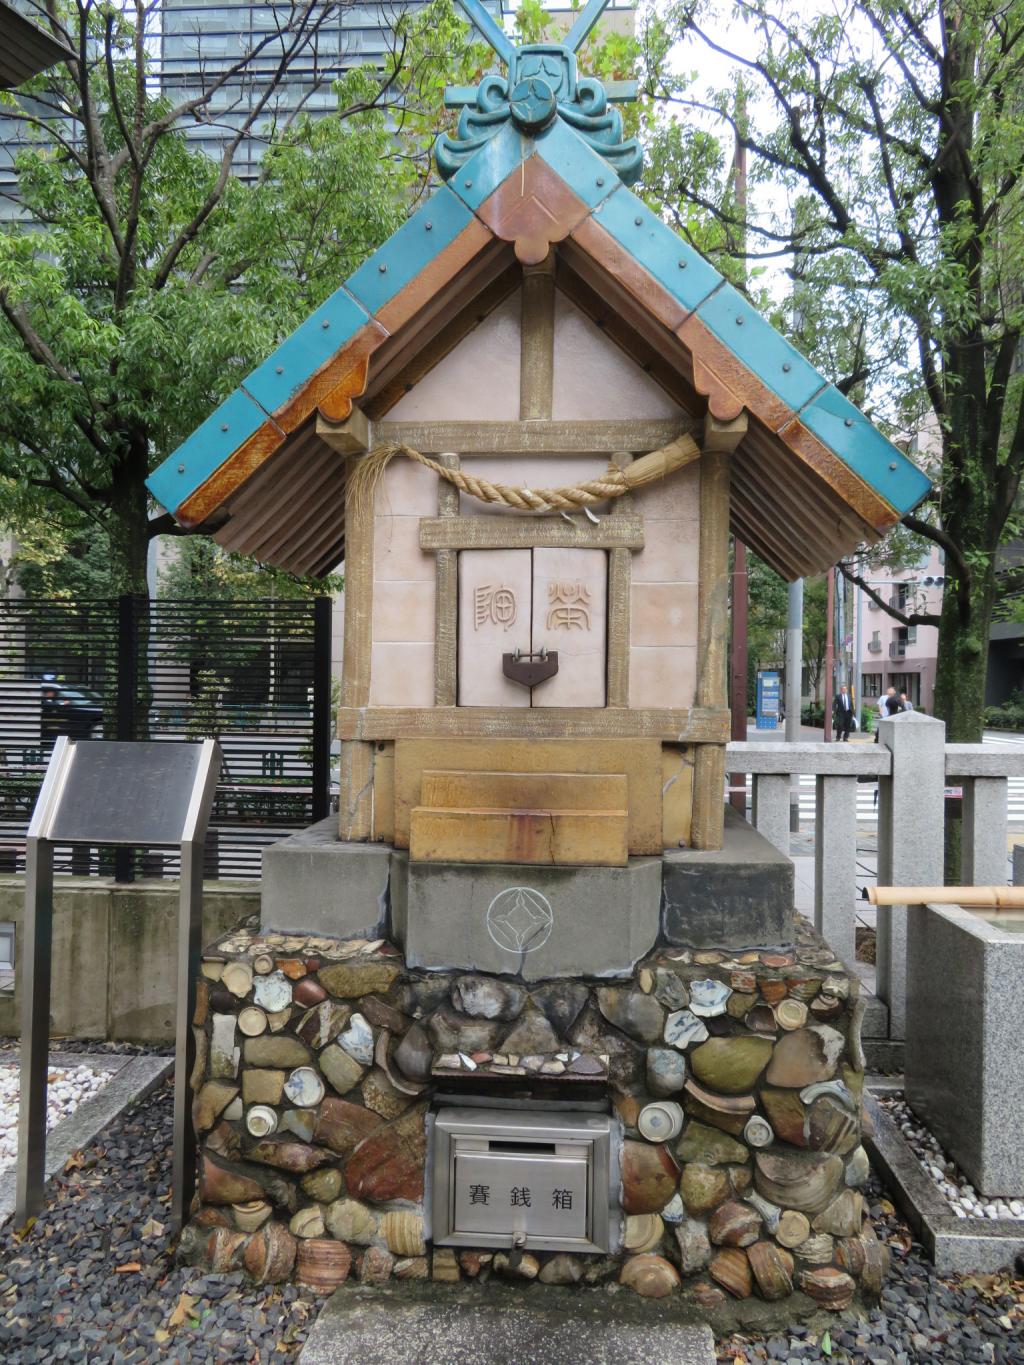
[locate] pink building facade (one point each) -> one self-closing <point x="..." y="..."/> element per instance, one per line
<point x="898" y="656"/>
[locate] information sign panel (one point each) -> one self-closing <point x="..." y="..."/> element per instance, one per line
<point x="135" y="795"/>
<point x="143" y="795"/>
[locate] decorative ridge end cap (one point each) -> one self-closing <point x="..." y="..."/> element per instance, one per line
<point x="542" y="84"/>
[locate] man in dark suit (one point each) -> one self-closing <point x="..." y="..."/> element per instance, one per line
<point x="842" y="713"/>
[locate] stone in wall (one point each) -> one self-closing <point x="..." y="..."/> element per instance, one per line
<point x="730" y="1073"/>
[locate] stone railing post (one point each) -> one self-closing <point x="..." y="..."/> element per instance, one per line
<point x="770" y="815"/>
<point x="911" y="815"/>
<point x="984" y="831"/>
<point x="835" y="864"/>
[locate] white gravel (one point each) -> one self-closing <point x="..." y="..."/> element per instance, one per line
<point x="68" y="1087"/>
<point x="959" y="1193"/>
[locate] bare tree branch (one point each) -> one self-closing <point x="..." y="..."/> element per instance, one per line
<point x="904" y="618"/>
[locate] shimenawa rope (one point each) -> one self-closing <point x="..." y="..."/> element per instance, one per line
<point x="369" y="472"/>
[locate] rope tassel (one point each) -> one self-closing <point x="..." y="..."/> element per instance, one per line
<point x="650" y="468"/>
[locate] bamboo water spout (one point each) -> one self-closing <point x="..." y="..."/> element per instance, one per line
<point x="973" y="897"/>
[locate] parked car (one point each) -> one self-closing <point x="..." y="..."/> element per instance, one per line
<point x="68" y="711"/>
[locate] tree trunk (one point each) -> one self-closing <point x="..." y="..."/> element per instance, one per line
<point x="127" y="531"/>
<point x="962" y="657"/>
<point x="128" y="538"/>
<point x="960" y="678"/>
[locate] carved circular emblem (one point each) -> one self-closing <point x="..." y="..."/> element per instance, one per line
<point x="520" y="919"/>
<point x="533" y="104"/>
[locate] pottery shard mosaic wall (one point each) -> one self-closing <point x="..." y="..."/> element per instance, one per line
<point x="318" y="1060"/>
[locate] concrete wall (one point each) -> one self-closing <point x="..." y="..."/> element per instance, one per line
<point x="114" y="954"/>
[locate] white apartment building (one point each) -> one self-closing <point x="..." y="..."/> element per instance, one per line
<point x="904" y="657"/>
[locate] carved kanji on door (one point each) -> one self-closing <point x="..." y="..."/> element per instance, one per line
<point x="529" y="600"/>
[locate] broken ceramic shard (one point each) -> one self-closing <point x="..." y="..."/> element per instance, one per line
<point x="252" y="1021"/>
<point x="357" y="1040"/>
<point x="660" y="1122"/>
<point x="273" y="992"/>
<point x="683" y="1028"/>
<point x="708" y="998"/>
<point x="835" y="1088"/>
<point x="237" y="977"/>
<point x="261" y="1120"/>
<point x="304" y="1087"/>
<point x="758" y="1132"/>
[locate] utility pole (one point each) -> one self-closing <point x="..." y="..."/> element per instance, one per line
<point x="830" y="651"/>
<point x="738" y="689"/>
<point x="858" y="657"/>
<point x="740" y="586"/>
<point x="794" y="683"/>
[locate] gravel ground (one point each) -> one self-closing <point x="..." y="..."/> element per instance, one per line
<point x="93" y="1280"/>
<point x="951" y="1182"/>
<point x="67" y="1087"/>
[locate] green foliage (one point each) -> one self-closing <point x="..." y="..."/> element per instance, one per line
<point x="152" y="280"/>
<point x="886" y="176"/>
<point x="201" y="569"/>
<point x="1009" y="715"/>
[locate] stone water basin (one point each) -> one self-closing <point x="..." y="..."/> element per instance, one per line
<point x="965" y="1022"/>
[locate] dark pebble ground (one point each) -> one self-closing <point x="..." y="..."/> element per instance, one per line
<point x="922" y="1317"/>
<point x="62" y="1296"/>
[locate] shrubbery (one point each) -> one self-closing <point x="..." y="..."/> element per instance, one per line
<point x="1009" y="715"/>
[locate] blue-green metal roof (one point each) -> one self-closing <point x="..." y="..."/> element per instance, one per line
<point x="263" y="408"/>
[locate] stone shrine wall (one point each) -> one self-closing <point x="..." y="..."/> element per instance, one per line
<point x="318" y="1059"/>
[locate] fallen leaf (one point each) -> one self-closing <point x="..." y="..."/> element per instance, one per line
<point x="826" y="1344"/>
<point x="152" y="1228"/>
<point x="128" y="1268"/>
<point x="182" y="1311"/>
<point x="75" y="1162"/>
<point x="161" y="1335"/>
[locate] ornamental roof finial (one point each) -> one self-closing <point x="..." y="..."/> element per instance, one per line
<point x="542" y="84"/>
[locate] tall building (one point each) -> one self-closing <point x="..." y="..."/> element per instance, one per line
<point x="892" y="655"/>
<point x="204" y="38"/>
<point x="192" y="41"/>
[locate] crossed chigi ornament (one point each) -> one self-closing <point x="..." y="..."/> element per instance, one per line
<point x="542" y="85"/>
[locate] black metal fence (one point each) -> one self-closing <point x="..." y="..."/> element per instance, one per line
<point x="255" y="675"/>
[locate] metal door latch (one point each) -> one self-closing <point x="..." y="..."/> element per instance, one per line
<point x="530" y="669"/>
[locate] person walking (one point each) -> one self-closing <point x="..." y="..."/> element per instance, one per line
<point x="888" y="704"/>
<point x="842" y="713"/>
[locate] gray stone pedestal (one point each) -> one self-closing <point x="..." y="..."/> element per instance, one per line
<point x="965" y="1021"/>
<point x="738" y="896"/>
<point x="314" y="883"/>
<point x="537" y="922"/>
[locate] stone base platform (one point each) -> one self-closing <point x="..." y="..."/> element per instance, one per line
<point x="731" y="897"/>
<point x="537" y="921"/>
<point x="319" y="1061"/>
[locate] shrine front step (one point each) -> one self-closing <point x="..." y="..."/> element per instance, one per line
<point x="527" y="837"/>
<point x="458" y="789"/>
<point x="538" y="921"/>
<point x="421" y="1321"/>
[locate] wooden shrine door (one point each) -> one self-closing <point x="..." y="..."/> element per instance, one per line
<point x="531" y="600"/>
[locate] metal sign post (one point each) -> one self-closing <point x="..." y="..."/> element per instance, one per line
<point x="129" y="795"/>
